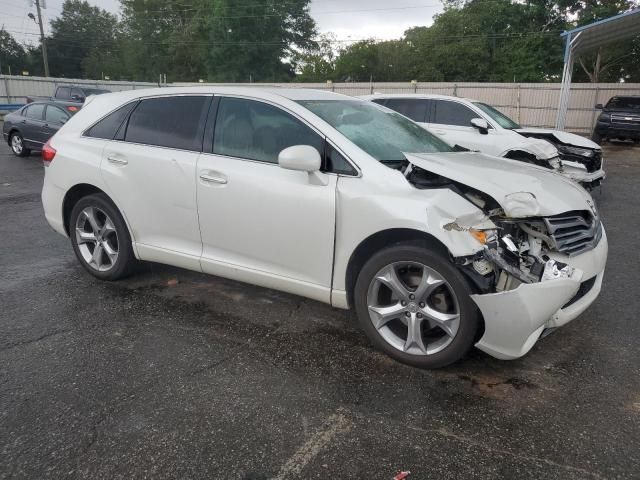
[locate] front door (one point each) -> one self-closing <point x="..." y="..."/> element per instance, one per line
<point x="259" y="222"/>
<point x="451" y="121"/>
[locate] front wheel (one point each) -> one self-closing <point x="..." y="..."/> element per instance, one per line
<point x="415" y="306"/>
<point x="100" y="238"/>
<point x="17" y="145"/>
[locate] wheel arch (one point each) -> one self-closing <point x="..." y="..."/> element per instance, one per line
<point x="80" y="190"/>
<point x="13" y="130"/>
<point x="380" y="240"/>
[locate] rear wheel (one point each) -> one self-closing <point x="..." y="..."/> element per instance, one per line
<point x="17" y="145"/>
<point x="596" y="137"/>
<point x="100" y="238"/>
<point x="415" y="306"/>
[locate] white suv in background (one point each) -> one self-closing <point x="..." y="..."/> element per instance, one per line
<point x="310" y="192"/>
<point x="479" y="126"/>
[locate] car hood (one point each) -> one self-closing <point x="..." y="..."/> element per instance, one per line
<point x="522" y="190"/>
<point x="560" y="136"/>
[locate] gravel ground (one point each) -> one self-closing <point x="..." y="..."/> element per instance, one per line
<point x="173" y="374"/>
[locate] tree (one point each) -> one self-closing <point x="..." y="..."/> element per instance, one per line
<point x="13" y="57"/>
<point x="318" y="63"/>
<point x="256" y="41"/>
<point x="82" y="39"/>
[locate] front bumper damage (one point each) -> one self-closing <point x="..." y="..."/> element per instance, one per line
<point x="515" y="319"/>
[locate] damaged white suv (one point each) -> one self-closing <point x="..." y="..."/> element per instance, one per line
<point x="478" y="126"/>
<point x="314" y="193"/>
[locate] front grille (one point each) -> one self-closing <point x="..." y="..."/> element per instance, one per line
<point x="585" y="287"/>
<point x="574" y="232"/>
<point x="625" y="119"/>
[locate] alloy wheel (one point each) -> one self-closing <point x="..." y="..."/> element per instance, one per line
<point x="16" y="144"/>
<point x="97" y="239"/>
<point x="413" y="308"/>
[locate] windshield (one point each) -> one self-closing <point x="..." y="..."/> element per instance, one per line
<point x="382" y="133"/>
<point x="497" y="116"/>
<point x="624" y="103"/>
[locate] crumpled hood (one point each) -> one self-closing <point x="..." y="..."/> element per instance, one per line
<point x="521" y="189"/>
<point x="563" y="137"/>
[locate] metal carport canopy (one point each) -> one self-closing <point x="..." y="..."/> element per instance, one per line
<point x="587" y="38"/>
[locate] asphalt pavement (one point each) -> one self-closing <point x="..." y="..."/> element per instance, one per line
<point x="174" y="374"/>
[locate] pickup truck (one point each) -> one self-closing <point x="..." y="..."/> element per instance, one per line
<point x="620" y="119"/>
<point x="69" y="93"/>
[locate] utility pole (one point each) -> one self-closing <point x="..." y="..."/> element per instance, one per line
<point x="42" y="40"/>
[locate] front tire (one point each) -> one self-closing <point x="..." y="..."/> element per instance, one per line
<point x="16" y="141"/>
<point x="100" y="238"/>
<point x="414" y="305"/>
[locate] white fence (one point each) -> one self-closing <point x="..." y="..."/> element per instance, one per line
<point x="530" y="104"/>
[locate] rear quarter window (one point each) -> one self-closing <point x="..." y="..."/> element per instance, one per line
<point x="108" y="127"/>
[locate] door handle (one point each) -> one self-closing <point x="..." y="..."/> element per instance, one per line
<point x="440" y="132"/>
<point x="213" y="179"/>
<point x="117" y="160"/>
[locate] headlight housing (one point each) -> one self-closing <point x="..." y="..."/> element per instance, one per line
<point x="583" y="152"/>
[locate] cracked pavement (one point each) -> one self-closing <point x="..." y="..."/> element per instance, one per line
<point x="174" y="374"/>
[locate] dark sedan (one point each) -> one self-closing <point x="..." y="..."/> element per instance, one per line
<point x="30" y="127"/>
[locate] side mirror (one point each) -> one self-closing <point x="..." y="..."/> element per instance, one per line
<point x="481" y="124"/>
<point x="598" y="106"/>
<point x="303" y="158"/>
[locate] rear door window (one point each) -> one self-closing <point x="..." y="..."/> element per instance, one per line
<point x="175" y="122"/>
<point x="109" y="125"/>
<point x="452" y="113"/>
<point x="35" y="112"/>
<point x="414" y="108"/>
<point x="258" y="131"/>
<point x="55" y="115"/>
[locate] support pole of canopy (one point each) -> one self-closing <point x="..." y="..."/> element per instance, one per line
<point x="565" y="89"/>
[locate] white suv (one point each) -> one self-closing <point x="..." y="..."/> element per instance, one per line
<point x="310" y="192"/>
<point x="478" y="126"/>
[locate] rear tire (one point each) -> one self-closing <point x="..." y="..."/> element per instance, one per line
<point x="100" y="238"/>
<point x="596" y="137"/>
<point x="427" y="319"/>
<point x="16" y="142"/>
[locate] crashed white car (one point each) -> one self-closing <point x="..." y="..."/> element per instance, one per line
<point x="315" y="194"/>
<point x="478" y="126"/>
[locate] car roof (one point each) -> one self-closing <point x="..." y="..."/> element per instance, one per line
<point x="254" y="91"/>
<point x="416" y="95"/>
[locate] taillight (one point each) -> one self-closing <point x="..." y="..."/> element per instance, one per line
<point x="48" y="152"/>
<point x="72" y="108"/>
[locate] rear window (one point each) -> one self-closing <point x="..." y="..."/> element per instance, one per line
<point x="109" y="125"/>
<point x="624" y="103"/>
<point x="175" y="122"/>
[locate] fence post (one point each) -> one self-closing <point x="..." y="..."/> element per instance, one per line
<point x="518" y="103"/>
<point x="593" y="115"/>
<point x="455" y="89"/>
<point x="415" y="86"/>
<point x="6" y="89"/>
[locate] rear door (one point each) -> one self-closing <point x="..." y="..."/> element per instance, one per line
<point x="54" y="118"/>
<point x="32" y="125"/>
<point x="151" y="170"/>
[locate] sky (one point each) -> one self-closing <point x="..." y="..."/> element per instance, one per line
<point x="347" y="19"/>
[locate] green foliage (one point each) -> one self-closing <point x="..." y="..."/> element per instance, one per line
<point x="275" y="41"/>
<point x="13" y="56"/>
<point x="82" y="40"/>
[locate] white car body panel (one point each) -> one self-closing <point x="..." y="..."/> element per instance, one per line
<point x="500" y="141"/>
<point x="281" y="229"/>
